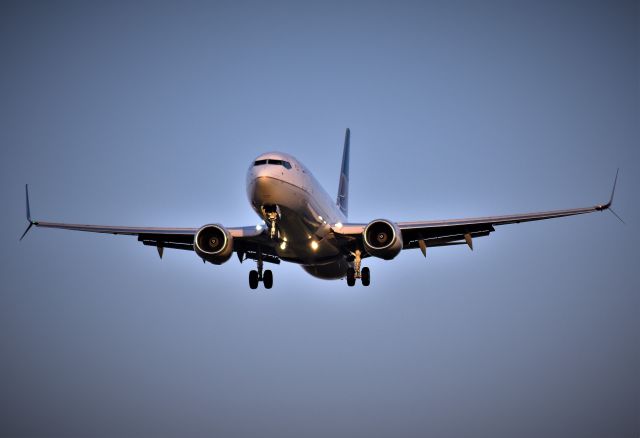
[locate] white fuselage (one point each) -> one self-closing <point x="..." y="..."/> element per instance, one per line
<point x="306" y="213"/>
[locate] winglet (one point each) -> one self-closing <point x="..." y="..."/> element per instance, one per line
<point x="31" y="223"/>
<point x="607" y="206"/>
<point x="613" y="191"/>
<point x="26" y="191"/>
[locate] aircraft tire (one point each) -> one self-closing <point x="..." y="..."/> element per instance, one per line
<point x="351" y="277"/>
<point x="253" y="279"/>
<point x="267" y="279"/>
<point x="366" y="276"/>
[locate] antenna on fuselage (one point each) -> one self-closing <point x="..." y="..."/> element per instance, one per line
<point x="343" y="187"/>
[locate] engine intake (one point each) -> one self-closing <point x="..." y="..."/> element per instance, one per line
<point x="213" y="243"/>
<point x="382" y="239"/>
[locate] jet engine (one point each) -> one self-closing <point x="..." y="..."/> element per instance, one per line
<point x="213" y="243"/>
<point x="382" y="239"/>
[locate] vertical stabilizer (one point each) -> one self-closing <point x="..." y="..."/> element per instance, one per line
<point x="343" y="187"/>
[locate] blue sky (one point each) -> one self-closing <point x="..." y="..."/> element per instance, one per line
<point x="150" y="113"/>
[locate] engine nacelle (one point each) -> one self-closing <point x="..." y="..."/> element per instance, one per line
<point x="213" y="243"/>
<point x="383" y="239"/>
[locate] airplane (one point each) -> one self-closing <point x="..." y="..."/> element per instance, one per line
<point x="302" y="224"/>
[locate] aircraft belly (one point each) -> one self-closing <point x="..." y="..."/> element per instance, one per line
<point x="329" y="271"/>
<point x="299" y="233"/>
<point x="298" y="222"/>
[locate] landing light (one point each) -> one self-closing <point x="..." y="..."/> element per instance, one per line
<point x="339" y="225"/>
<point x="314" y="245"/>
<point x="259" y="227"/>
<point x="283" y="245"/>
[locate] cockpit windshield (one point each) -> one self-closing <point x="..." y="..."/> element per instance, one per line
<point x="283" y="163"/>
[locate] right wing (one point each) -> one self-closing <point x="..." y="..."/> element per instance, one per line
<point x="247" y="241"/>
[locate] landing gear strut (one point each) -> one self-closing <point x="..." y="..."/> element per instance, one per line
<point x="272" y="215"/>
<point x="256" y="276"/>
<point x="353" y="273"/>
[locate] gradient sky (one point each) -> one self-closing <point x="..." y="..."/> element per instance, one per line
<point x="149" y="114"/>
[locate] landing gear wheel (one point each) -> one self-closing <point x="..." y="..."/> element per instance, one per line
<point x="253" y="279"/>
<point x="351" y="277"/>
<point x="365" y="276"/>
<point x="267" y="279"/>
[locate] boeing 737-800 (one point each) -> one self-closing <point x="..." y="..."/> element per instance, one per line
<point x="304" y="225"/>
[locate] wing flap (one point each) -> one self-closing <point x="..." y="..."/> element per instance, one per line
<point x="163" y="244"/>
<point x="457" y="239"/>
<point x="411" y="242"/>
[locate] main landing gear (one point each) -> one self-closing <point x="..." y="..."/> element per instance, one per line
<point x="256" y="276"/>
<point x="353" y="273"/>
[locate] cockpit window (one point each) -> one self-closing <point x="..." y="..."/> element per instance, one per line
<point x="283" y="163"/>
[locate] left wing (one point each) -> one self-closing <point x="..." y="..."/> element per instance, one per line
<point x="246" y="240"/>
<point x="423" y="234"/>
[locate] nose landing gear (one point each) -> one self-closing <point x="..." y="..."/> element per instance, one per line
<point x="271" y="214"/>
<point x="354" y="273"/>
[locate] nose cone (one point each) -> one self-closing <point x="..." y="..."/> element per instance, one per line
<point x="267" y="176"/>
<point x="262" y="189"/>
<point x="254" y="174"/>
<point x="261" y="171"/>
